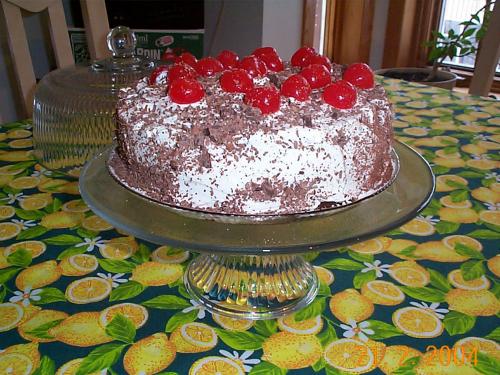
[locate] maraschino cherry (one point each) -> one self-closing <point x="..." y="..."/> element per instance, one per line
<point x="254" y="66"/>
<point x="301" y="55"/>
<point x="187" y="58"/>
<point x="319" y="59"/>
<point x="158" y="74"/>
<point x="236" y="80"/>
<point x="296" y="87"/>
<point x="266" y="98"/>
<point x="186" y="91"/>
<point x="229" y="59"/>
<point x="317" y="75"/>
<point x="209" y="66"/>
<point x="340" y="94"/>
<point x="180" y="70"/>
<point x="270" y="57"/>
<point x="360" y="75"/>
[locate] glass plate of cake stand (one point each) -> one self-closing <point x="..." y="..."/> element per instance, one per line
<point x="252" y="267"/>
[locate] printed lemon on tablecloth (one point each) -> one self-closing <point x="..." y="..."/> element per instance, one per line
<point x="449" y="162"/>
<point x="490" y="217"/>
<point x="76" y="205"/>
<point x="278" y="349"/>
<point x="382" y="292"/>
<point x="456" y="279"/>
<point x="21" y="143"/>
<point x="6" y="212"/>
<point x="417" y="322"/>
<point x="494" y="265"/>
<point x="447" y="201"/>
<point x="373" y="246"/>
<point x="81" y="329"/>
<point x="467" y="345"/>
<point x="38" y="275"/>
<point x="18" y="359"/>
<point x="410" y="273"/>
<point x="489" y="145"/>
<point x="26" y="182"/>
<point x="10" y="316"/>
<point x="194" y="338"/>
<point x="395" y="356"/>
<point x="450" y="182"/>
<point x="324" y="275"/>
<point x="10" y="170"/>
<point x="156" y="274"/>
<point x="96" y="224"/>
<point x="350" y="355"/>
<point x="137" y="314"/>
<point x="35" y="248"/>
<point x="3" y="259"/>
<point x="473" y="149"/>
<point x="351" y="305"/>
<point x="432" y="364"/>
<point x="149" y="355"/>
<point x="437" y="251"/>
<point x="14" y="156"/>
<point x="18" y="134"/>
<point x="8" y="231"/>
<point x="443" y="153"/>
<point x="129" y="240"/>
<point x="62" y="219"/>
<point x="5" y="179"/>
<point x="40" y="318"/>
<point x="52" y="185"/>
<point x="485" y="194"/>
<point x="304" y="327"/>
<point x="452" y="241"/>
<point x="168" y="254"/>
<point x="418" y="227"/>
<point x="399" y="247"/>
<point x="473" y="302"/>
<point x="232" y="324"/>
<point x="216" y="365"/>
<point x="88" y="290"/>
<point x="116" y="250"/>
<point x="78" y="265"/>
<point x="483" y="164"/>
<point x="71" y="367"/>
<point x="36" y="201"/>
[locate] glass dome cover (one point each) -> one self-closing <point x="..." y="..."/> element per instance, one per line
<point x="74" y="106"/>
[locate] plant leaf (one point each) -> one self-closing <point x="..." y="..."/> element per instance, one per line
<point x="472" y="269"/>
<point x="266" y="327"/>
<point x="266" y="368"/>
<point x="314" y="309"/>
<point x="486" y="364"/>
<point x="47" y="367"/>
<point x="71" y="251"/>
<point x="444" y="227"/>
<point x="8" y="273"/>
<point x="494" y="335"/>
<point x="468" y="251"/>
<point x="122" y="329"/>
<point x="457" y="323"/>
<point x="180" y="318"/>
<point x="142" y="254"/>
<point x="363" y="277"/>
<point x="116" y="265"/>
<point x="50" y="295"/>
<point x="63" y="240"/>
<point x="42" y="331"/>
<point x="360" y="257"/>
<point x="101" y="358"/>
<point x="32" y="232"/>
<point x="383" y="330"/>
<point x="240" y="340"/>
<point x="424" y="294"/>
<point x="167" y="302"/>
<point x="327" y="335"/>
<point x="126" y="291"/>
<point x="344" y="264"/>
<point x="439" y="281"/>
<point x="21" y="258"/>
<point x="484" y="234"/>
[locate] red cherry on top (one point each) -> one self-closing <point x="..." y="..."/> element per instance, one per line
<point x="296" y="87"/>
<point x="157" y="74"/>
<point x="254" y="66"/>
<point x="236" y="80"/>
<point x="180" y="71"/>
<point x="360" y="75"/>
<point x="317" y="75"/>
<point x="168" y="56"/>
<point x="319" y="59"/>
<point x="270" y="57"/>
<point x="266" y="98"/>
<point x="187" y="58"/>
<point x="301" y="55"/>
<point x="229" y="59"/>
<point x="340" y="94"/>
<point x="209" y="66"/>
<point x="186" y="91"/>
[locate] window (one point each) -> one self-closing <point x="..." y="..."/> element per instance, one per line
<point x="453" y="13"/>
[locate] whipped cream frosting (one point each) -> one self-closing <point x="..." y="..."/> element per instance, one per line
<point x="221" y="155"/>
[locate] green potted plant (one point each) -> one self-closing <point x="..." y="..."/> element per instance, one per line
<point x="442" y="46"/>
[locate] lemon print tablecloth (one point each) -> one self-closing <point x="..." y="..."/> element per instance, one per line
<point x="79" y="297"/>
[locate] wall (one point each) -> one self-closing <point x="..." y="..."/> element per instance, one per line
<point x="378" y="33"/>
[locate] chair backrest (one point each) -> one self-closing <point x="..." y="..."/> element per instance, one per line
<point x="487" y="57"/>
<point x="96" y="24"/>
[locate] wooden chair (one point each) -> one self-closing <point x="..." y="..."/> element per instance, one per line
<point x="487" y="58"/>
<point x="96" y="25"/>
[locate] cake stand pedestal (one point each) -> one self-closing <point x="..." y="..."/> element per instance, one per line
<point x="250" y="266"/>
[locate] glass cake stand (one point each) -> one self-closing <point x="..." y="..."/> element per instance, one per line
<point x="252" y="267"/>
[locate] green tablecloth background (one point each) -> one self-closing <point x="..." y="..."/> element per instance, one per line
<point x="458" y="134"/>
